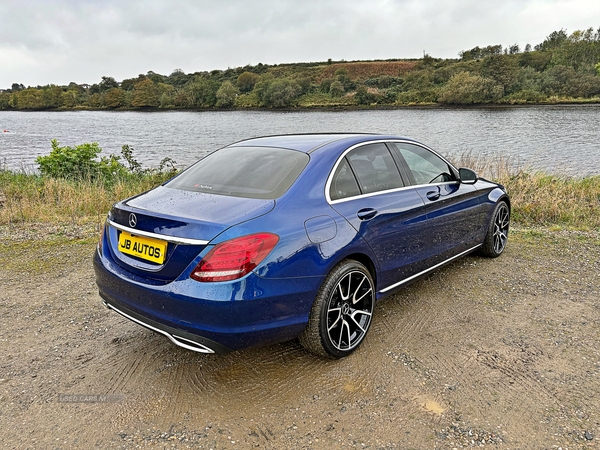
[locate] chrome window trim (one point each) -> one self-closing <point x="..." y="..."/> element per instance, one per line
<point x="388" y="191"/>
<point x="162" y="237"/>
<point x="406" y="280"/>
<point x="381" y="141"/>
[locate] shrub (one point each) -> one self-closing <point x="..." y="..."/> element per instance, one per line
<point x="364" y="97"/>
<point x="336" y="89"/>
<point x="416" y="96"/>
<point x="326" y="85"/>
<point x="525" y="96"/>
<point x="81" y="163"/>
<point x="464" y="88"/>
<point x="78" y="162"/>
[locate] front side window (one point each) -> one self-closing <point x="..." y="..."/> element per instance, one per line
<point x="250" y="172"/>
<point x="426" y="167"/>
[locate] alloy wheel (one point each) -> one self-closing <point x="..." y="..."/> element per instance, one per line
<point x="350" y="310"/>
<point x="501" y="223"/>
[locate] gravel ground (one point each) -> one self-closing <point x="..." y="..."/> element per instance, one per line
<point x="483" y="353"/>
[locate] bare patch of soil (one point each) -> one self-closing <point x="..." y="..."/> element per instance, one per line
<point x="498" y="353"/>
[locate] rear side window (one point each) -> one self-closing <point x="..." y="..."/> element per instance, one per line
<point x="250" y="172"/>
<point x="366" y="169"/>
<point x="343" y="183"/>
<point x="375" y="168"/>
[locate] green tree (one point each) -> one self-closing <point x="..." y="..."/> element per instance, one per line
<point x="514" y="49"/>
<point x="553" y="41"/>
<point x="246" y="81"/>
<point x="565" y="81"/>
<point x="178" y="78"/>
<point x="581" y="50"/>
<point x="202" y="92"/>
<point x="502" y="69"/>
<point x="536" y="60"/>
<point x="115" y="98"/>
<point x="30" y="98"/>
<point x="52" y="96"/>
<point x="386" y="81"/>
<point x="129" y="83"/>
<point x="155" y="77"/>
<point x="479" y="53"/>
<point x="226" y="95"/>
<point x="418" y="80"/>
<point x="107" y="83"/>
<point x="529" y="79"/>
<point x="94" y="101"/>
<point x="145" y="94"/>
<point x="281" y="93"/>
<point x="69" y="99"/>
<point x="166" y="95"/>
<point x="261" y="86"/>
<point x="5" y="100"/>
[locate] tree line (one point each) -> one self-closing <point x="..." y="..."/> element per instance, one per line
<point x="563" y="68"/>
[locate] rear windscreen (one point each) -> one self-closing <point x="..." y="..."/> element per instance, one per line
<point x="251" y="172"/>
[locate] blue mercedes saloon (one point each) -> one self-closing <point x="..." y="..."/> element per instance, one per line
<point x="293" y="236"/>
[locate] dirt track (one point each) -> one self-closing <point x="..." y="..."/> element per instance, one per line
<point x="502" y="353"/>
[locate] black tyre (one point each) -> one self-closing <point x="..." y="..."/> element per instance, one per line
<point x="497" y="233"/>
<point x="342" y="311"/>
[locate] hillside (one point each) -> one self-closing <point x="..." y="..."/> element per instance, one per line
<point x="563" y="68"/>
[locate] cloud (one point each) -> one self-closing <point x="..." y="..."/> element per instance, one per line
<point x="57" y="42"/>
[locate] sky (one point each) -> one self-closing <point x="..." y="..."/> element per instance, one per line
<point x="59" y="41"/>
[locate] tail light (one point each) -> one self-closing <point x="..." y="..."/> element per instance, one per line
<point x="235" y="258"/>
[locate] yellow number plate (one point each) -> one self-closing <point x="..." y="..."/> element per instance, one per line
<point x="143" y="247"/>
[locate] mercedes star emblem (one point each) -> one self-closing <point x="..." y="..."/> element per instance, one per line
<point x="132" y="220"/>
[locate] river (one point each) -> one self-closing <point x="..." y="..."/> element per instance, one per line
<point x="562" y="139"/>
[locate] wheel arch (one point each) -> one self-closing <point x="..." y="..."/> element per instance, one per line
<point x="498" y="195"/>
<point x="366" y="261"/>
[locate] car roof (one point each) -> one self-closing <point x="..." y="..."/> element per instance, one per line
<point x="308" y="143"/>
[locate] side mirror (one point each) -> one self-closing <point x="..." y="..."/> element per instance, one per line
<point x="467" y="176"/>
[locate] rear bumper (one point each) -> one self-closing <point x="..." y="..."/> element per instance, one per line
<point x="178" y="337"/>
<point x="210" y="317"/>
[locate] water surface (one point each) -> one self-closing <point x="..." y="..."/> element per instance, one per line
<point x="558" y="139"/>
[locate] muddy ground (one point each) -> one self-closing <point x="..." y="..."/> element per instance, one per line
<point x="498" y="353"/>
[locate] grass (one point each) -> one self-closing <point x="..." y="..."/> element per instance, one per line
<point x="538" y="198"/>
<point x="541" y="199"/>
<point x="29" y="198"/>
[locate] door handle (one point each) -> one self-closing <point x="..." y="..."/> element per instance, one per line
<point x="433" y="195"/>
<point x="366" y="213"/>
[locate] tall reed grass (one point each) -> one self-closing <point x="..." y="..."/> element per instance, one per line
<point x="35" y="199"/>
<point x="538" y="199"/>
